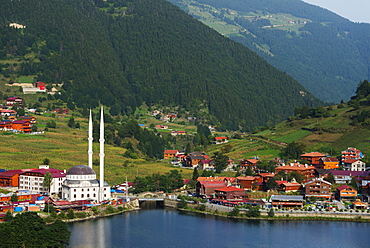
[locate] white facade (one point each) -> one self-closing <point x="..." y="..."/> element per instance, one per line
<point x="34" y="181"/>
<point x="81" y="184"/>
<point x="355" y="166"/>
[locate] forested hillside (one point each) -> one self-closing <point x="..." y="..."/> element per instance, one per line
<point x="123" y="53"/>
<point x="327" y="54"/>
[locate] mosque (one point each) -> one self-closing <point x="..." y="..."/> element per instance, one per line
<point x="81" y="182"/>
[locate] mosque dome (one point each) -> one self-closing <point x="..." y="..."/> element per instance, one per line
<point x="80" y="170"/>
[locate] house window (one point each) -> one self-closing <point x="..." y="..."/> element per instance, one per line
<point x="82" y="195"/>
<point x="74" y="190"/>
<point x="74" y="196"/>
<point x="88" y="195"/>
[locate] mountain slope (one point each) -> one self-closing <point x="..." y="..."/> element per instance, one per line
<point x="328" y="54"/>
<point x="128" y="52"/>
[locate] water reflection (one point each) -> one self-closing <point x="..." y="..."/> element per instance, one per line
<point x="171" y="228"/>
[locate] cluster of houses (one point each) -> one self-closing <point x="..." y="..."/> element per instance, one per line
<point x="315" y="173"/>
<point x="10" y="121"/>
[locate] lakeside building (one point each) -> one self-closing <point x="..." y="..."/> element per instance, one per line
<point x="81" y="182"/>
<point x="33" y="180"/>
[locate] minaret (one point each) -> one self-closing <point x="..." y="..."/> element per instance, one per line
<point x="101" y="155"/>
<point x="90" y="139"/>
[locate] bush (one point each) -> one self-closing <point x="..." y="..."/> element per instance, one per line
<point x="182" y="204"/>
<point x="271" y="212"/>
<point x="80" y="215"/>
<point x="70" y="214"/>
<point x="234" y="212"/>
<point x="109" y="209"/>
<point x="253" y="212"/>
<point x="202" y="207"/>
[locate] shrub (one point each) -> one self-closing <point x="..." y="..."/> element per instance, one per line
<point x="70" y="214"/>
<point x="271" y="212"/>
<point x="234" y="212"/>
<point x="182" y="204"/>
<point x="109" y="209"/>
<point x="202" y="207"/>
<point x="253" y="212"/>
<point x="81" y="215"/>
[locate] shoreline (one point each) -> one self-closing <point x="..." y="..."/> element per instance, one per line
<point x="279" y="215"/>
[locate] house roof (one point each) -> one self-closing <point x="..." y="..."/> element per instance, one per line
<point x="214" y="179"/>
<point x="287" y="197"/>
<point x="313" y="154"/>
<point x="342" y="187"/>
<point x="20" y="122"/>
<point x="220" y="138"/>
<point x="171" y="151"/>
<point x="291" y="184"/>
<point x="211" y="184"/>
<point x="317" y="180"/>
<point x="346" y="173"/>
<point x="329" y="159"/>
<point x="266" y="174"/>
<point x="295" y="166"/>
<point x="54" y="172"/>
<point x="246" y="178"/>
<point x="10" y="173"/>
<point x="350" y="161"/>
<point x="230" y="189"/>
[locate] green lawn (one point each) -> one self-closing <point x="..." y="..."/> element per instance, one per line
<point x="289" y="138"/>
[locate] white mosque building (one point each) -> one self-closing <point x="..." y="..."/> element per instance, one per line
<point x="81" y="182"/>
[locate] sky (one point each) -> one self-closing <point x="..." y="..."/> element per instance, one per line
<point x="354" y="10"/>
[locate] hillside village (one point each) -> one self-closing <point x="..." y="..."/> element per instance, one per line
<point x="319" y="178"/>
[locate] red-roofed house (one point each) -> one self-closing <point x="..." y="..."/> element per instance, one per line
<point x="209" y="187"/>
<point x="345" y="192"/>
<point x="22" y="126"/>
<point x="252" y="163"/>
<point x="7" y="112"/>
<point x="33" y="180"/>
<point x="248" y="182"/>
<point x="289" y="187"/>
<point x="230" y="193"/>
<point x="40" y="85"/>
<point x="352" y="153"/>
<point x="313" y="158"/>
<point x="10" y="178"/>
<point x="318" y="187"/>
<point x="220" y="140"/>
<point x="11" y="101"/>
<point x="306" y="170"/>
<point x="170" y="154"/>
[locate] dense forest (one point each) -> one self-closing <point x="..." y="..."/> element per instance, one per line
<point x="327" y="54"/>
<point x="122" y="53"/>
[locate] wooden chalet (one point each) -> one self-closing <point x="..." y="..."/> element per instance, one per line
<point x="313" y="158"/>
<point x="318" y="187"/>
<point x="11" y="101"/>
<point x="170" y="154"/>
<point x="220" y="140"/>
<point x="345" y="192"/>
<point x="328" y="163"/>
<point x="306" y="170"/>
<point x="22" y="126"/>
<point x="252" y="163"/>
<point x="230" y="193"/>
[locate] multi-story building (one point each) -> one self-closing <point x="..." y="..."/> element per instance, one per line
<point x="352" y="153"/>
<point x="318" y="187"/>
<point x="34" y="180"/>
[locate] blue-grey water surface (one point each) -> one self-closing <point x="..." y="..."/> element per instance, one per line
<point x="171" y="228"/>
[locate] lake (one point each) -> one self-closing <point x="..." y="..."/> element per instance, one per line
<point x="172" y="228"/>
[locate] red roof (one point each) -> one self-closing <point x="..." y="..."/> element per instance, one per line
<point x="62" y="203"/>
<point x="171" y="151"/>
<point x="54" y="172"/>
<point x="350" y="161"/>
<point x="220" y="138"/>
<point x="313" y="154"/>
<point x="230" y="189"/>
<point x="344" y="187"/>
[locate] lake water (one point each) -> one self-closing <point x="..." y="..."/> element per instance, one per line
<point x="172" y="228"/>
